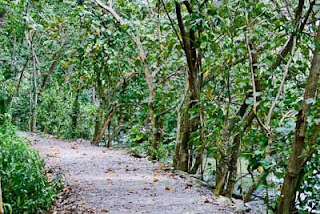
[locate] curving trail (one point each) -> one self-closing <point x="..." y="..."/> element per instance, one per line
<point x="111" y="181"/>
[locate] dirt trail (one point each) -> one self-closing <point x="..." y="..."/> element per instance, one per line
<point x="111" y="181"/>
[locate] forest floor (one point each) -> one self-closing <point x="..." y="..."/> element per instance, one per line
<point x="100" y="180"/>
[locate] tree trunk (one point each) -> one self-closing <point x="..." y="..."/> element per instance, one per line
<point x="1" y="200"/>
<point x="233" y="165"/>
<point x="236" y="144"/>
<point x="109" y="137"/>
<point x="102" y="105"/>
<point x="200" y="150"/>
<point x="198" y="159"/>
<point x="159" y="119"/>
<point x="222" y="171"/>
<point x="143" y="59"/>
<point x="179" y="114"/>
<point x="297" y="158"/>
<point x="75" y="114"/>
<point x="183" y="155"/>
<point x="157" y="136"/>
<point x="253" y="188"/>
<point x="188" y="125"/>
<point x="98" y="122"/>
<point x="105" y="124"/>
<point x="285" y="51"/>
<point x="34" y="94"/>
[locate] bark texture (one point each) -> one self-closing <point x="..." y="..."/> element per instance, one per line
<point x="105" y="124"/>
<point x="188" y="125"/>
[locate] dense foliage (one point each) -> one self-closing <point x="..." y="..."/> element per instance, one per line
<point x="227" y="90"/>
<point x="25" y="187"/>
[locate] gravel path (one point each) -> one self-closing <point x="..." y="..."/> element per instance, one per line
<point x="111" y="181"/>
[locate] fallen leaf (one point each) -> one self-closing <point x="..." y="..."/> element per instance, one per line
<point x="109" y="170"/>
<point x="189" y="185"/>
<point x="131" y="191"/>
<point x="74" y="147"/>
<point x="155" y="173"/>
<point x="127" y="170"/>
<point x="168" y="188"/>
<point x="54" y="152"/>
<point x="208" y="200"/>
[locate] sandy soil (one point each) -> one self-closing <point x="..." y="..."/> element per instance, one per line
<point x="111" y="181"/>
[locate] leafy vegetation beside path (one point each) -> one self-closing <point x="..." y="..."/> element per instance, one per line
<point x="25" y="187"/>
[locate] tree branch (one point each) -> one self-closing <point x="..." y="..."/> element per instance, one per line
<point x="171" y="23"/>
<point x="110" y="10"/>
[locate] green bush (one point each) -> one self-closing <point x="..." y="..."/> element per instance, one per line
<point x="24" y="184"/>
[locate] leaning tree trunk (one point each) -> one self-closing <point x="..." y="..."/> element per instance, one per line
<point x="233" y="165"/>
<point x="297" y="158"/>
<point x="105" y="124"/>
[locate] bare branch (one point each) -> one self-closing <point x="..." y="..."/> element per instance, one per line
<point x="286" y="71"/>
<point x="171" y="22"/>
<point x="110" y="10"/>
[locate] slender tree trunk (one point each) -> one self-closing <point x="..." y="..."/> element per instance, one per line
<point x="183" y="156"/>
<point x="98" y="122"/>
<point x="200" y="150"/>
<point x="75" y="114"/>
<point x="179" y="115"/>
<point x="1" y="200"/>
<point x="198" y="158"/>
<point x="236" y="143"/>
<point x="157" y="136"/>
<point x="188" y="125"/>
<point x="233" y="165"/>
<point x="279" y="60"/>
<point x="33" y="116"/>
<point x="102" y="105"/>
<point x="253" y="188"/>
<point x="159" y="119"/>
<point x="297" y="158"/>
<point x="227" y="164"/>
<point x="222" y="172"/>
<point x="34" y="93"/>
<point x="267" y="126"/>
<point x="109" y="137"/>
<point x="105" y="124"/>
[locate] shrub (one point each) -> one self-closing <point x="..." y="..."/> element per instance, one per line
<point x="24" y="184"/>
